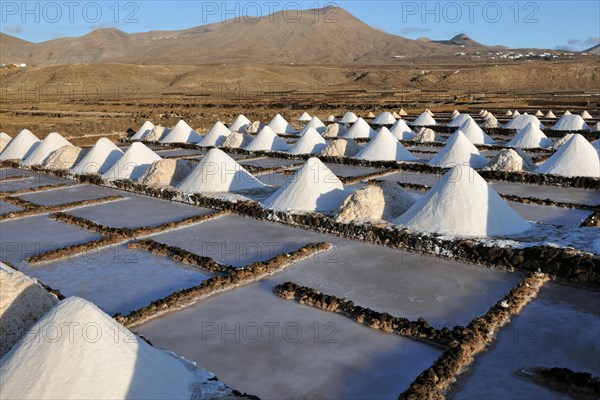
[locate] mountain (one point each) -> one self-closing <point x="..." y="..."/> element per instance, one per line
<point x="593" y="50"/>
<point x="273" y="39"/>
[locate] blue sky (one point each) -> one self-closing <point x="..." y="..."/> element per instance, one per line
<point x="543" y="24"/>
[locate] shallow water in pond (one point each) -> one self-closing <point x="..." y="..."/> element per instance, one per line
<point x="118" y="279"/>
<point x="561" y="328"/>
<point x="70" y="194"/>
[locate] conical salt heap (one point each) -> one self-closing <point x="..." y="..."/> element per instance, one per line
<point x="360" y="130"/>
<point x="316" y="124"/>
<point x="402" y="113"/>
<point x="143" y="132"/>
<point x="596" y="128"/>
<point x="279" y="125"/>
<point x="508" y="113"/>
<point x="538" y="113"/>
<point x="384" y="118"/>
<point x="385" y="201"/>
<point x="311" y="142"/>
<point x="216" y="136"/>
<point x="454" y="114"/>
<point x="396" y="115"/>
<point x="181" y="133"/>
<point x="99" y="159"/>
<point x="463" y="204"/>
<point x="49" y="145"/>
<point x="459" y="151"/>
<point x="65" y="158"/>
<point x="4" y="140"/>
<point x="342" y="148"/>
<point x="459" y="120"/>
<point x="267" y="139"/>
<point x="511" y="160"/>
<point x="385" y="147"/>
<point x="314" y="188"/>
<point x="95" y="357"/>
<point x="217" y="172"/>
<point x="516" y="114"/>
<point x="570" y="122"/>
<point x="305" y="117"/>
<point x="530" y="137"/>
<point x="330" y="118"/>
<point x="370" y="115"/>
<point x="567" y="113"/>
<point x="402" y="131"/>
<point x="550" y="114"/>
<point x="428" y="111"/>
<point x="132" y="164"/>
<point x="577" y="157"/>
<point x="240" y="124"/>
<point x="585" y="115"/>
<point x="425" y="119"/>
<point x="349" y="118"/>
<point x="22" y="146"/>
<point x="474" y="133"/>
<point x="522" y="121"/>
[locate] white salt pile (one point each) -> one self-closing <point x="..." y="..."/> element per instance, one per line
<point x="474" y="133"/>
<point x="65" y="158"/>
<point x="22" y="302"/>
<point x="570" y="122"/>
<point x="585" y="115"/>
<point x="237" y="140"/>
<point x="428" y="111"/>
<point x="508" y="113"/>
<point x="454" y="114"/>
<point x="305" y="117"/>
<point x="550" y="114"/>
<point x="560" y="142"/>
<point x="181" y="133"/>
<point x="157" y="134"/>
<point x="522" y="121"/>
<point x="385" y="201"/>
<point x="330" y="118"/>
<point x="240" y="124"/>
<point x="538" y="113"/>
<point x="577" y="157"/>
<point x="4" y="140"/>
<point x="166" y="172"/>
<point x="311" y="142"/>
<point x="216" y="136"/>
<point x="49" y="145"/>
<point x="384" y="118"/>
<point x="94" y="357"/>
<point x="427" y="135"/>
<point x="462" y="203"/>
<point x="596" y="128"/>
<point x="490" y="122"/>
<point x="459" y="151"/>
<point x="370" y="115"/>
<point x="101" y="157"/>
<point x="459" y="120"/>
<point x="567" y="113"/>
<point x="342" y="148"/>
<point x="425" y="119"/>
<point x="385" y="147"/>
<point x="267" y="139"/>
<point x="511" y="160"/>
<point x="360" y="130"/>
<point x="314" y="188"/>
<point x="132" y="164"/>
<point x="143" y="132"/>
<point x="530" y="137"/>
<point x="349" y="118"/>
<point x="396" y="115"/>
<point x="402" y="131"/>
<point x="22" y="146"/>
<point x="218" y="172"/>
<point x="402" y="113"/>
<point x="316" y="124"/>
<point x="335" y="130"/>
<point x="254" y="127"/>
<point x="515" y="114"/>
<point x="279" y="125"/>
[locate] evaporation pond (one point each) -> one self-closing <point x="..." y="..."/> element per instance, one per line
<point x="118" y="279"/>
<point x="70" y="194"/>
